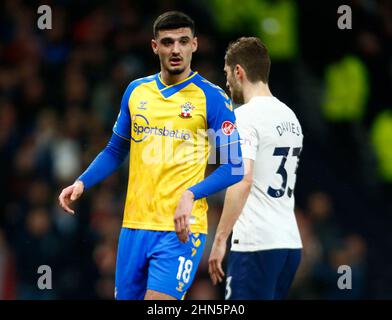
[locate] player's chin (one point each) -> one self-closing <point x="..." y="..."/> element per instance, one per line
<point x="176" y="70"/>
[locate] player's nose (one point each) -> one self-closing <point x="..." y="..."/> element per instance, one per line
<point x="176" y="47"/>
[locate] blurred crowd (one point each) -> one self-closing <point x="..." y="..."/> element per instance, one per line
<point x="60" y="93"/>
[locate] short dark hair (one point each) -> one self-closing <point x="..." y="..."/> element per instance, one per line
<point x="252" y="55"/>
<point x="173" y="20"/>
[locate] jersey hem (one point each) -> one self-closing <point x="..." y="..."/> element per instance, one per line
<point x="134" y="225"/>
<point x="238" y="248"/>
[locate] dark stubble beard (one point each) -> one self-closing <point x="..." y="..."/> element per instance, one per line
<point x="237" y="96"/>
<point x="176" y="71"/>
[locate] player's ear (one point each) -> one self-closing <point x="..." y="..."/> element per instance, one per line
<point x="239" y="72"/>
<point x="194" y="44"/>
<point x="154" y="46"/>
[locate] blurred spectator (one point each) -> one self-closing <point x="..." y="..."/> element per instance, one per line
<point x="320" y="215"/>
<point x="311" y="255"/>
<point x="37" y="244"/>
<point x="7" y="271"/>
<point x="382" y="141"/>
<point x="346" y="93"/>
<point x="351" y="253"/>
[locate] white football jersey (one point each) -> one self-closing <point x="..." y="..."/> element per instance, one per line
<point x="271" y="135"/>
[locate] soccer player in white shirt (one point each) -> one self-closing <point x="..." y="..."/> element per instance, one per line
<point x="266" y="244"/>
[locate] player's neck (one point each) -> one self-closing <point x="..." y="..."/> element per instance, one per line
<point x="256" y="90"/>
<point x="170" y="79"/>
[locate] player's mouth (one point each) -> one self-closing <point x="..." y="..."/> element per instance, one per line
<point x="175" y="61"/>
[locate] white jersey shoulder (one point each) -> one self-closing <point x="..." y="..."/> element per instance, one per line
<point x="271" y="135"/>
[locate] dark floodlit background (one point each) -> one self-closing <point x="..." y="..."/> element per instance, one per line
<point x="60" y="93"/>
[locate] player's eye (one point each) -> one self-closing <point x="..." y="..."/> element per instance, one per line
<point x="166" y="42"/>
<point x="184" y="40"/>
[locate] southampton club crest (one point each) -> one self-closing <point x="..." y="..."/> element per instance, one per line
<point x="186" y="110"/>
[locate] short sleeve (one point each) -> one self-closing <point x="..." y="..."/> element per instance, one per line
<point x="249" y="135"/>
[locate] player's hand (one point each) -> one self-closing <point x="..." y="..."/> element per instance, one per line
<point x="182" y="214"/>
<point x="70" y="194"/>
<point x="217" y="254"/>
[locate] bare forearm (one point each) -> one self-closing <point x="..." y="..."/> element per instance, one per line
<point x="235" y="200"/>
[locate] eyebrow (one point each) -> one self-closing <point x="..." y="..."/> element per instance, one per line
<point x="173" y="39"/>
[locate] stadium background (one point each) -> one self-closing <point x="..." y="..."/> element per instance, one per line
<point x="60" y="93"/>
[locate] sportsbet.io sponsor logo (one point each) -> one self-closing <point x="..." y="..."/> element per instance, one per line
<point x="168" y="144"/>
<point x="142" y="130"/>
